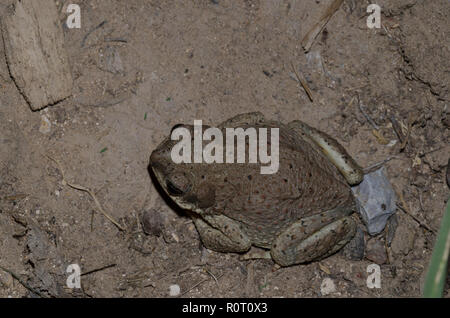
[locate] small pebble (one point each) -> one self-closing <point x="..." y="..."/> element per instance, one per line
<point x="174" y="290"/>
<point x="6" y="279"/>
<point x="376" y="252"/>
<point x="152" y="222"/>
<point x="354" y="250"/>
<point x="45" y="125"/>
<point x="403" y="241"/>
<point x="175" y="237"/>
<point x="327" y="287"/>
<point x="391" y="227"/>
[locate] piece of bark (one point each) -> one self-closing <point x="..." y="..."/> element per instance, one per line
<point x="35" y="53"/>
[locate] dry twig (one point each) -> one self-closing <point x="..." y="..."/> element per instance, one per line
<point x="303" y="82"/>
<point x="368" y="118"/>
<point x="377" y="165"/>
<point x="404" y="207"/>
<point x="309" y="38"/>
<point x="89" y="191"/>
<point x="98" y="269"/>
<point x="408" y="132"/>
<point x="22" y="282"/>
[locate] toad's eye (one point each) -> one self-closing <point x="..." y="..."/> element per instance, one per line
<point x="178" y="184"/>
<point x="173" y="190"/>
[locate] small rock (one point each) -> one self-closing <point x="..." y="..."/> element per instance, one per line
<point x="152" y="222"/>
<point x="404" y="239"/>
<point x="45" y="125"/>
<point x="6" y="279"/>
<point x="327" y="287"/>
<point x="175" y="237"/>
<point x="174" y="290"/>
<point x="376" y="200"/>
<point x="376" y="252"/>
<point x="113" y="61"/>
<point x="354" y="250"/>
<point x="391" y="226"/>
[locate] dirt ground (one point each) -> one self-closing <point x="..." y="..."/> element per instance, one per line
<point x="140" y="67"/>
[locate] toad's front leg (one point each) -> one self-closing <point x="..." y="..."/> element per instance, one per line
<point x="222" y="234"/>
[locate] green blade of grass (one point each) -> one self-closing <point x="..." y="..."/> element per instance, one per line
<point x="437" y="271"/>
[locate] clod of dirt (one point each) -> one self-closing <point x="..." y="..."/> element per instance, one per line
<point x="375" y="199"/>
<point x="354" y="250"/>
<point x="43" y="255"/>
<point x="403" y="241"/>
<point x="152" y="222"/>
<point x="426" y="68"/>
<point x="37" y="243"/>
<point x="376" y="252"/>
<point x="437" y="160"/>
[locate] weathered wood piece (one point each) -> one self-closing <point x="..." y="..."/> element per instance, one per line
<point x="35" y="53"/>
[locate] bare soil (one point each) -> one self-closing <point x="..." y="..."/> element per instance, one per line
<point x="140" y="67"/>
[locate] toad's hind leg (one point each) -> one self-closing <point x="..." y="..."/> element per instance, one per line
<point x="333" y="150"/>
<point x="312" y="238"/>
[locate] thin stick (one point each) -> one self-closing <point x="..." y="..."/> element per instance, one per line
<point x="196" y="285"/>
<point x="217" y="283"/>
<point x="302" y="81"/>
<point x="98" y="269"/>
<point x="89" y="191"/>
<point x="83" y="42"/>
<point x="116" y="40"/>
<point x="16" y="197"/>
<point x="397" y="128"/>
<point x="405" y="209"/>
<point x="370" y="120"/>
<point x="408" y="132"/>
<point x="22" y="282"/>
<point x="378" y="164"/>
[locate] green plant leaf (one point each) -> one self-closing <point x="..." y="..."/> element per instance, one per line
<point x="437" y="271"/>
